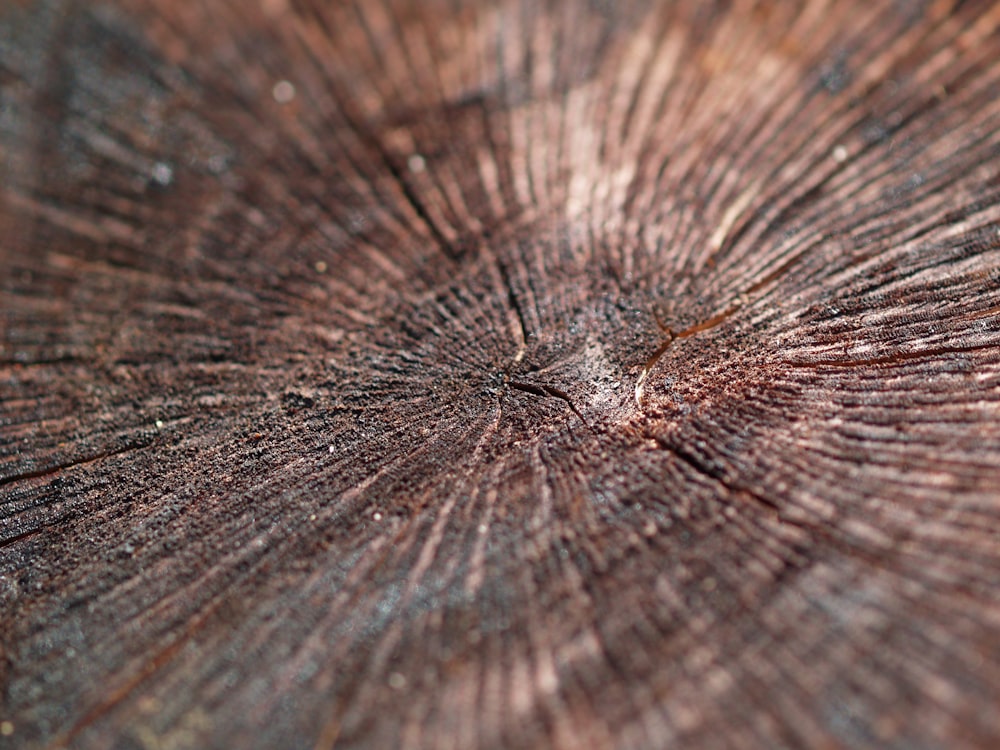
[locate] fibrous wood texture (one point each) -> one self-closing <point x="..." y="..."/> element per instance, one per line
<point x="499" y="374"/>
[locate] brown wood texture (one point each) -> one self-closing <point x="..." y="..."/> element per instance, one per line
<point x="499" y="374"/>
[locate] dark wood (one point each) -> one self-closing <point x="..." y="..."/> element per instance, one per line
<point x="499" y="374"/>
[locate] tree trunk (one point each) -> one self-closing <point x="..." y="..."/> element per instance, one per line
<point x="499" y="374"/>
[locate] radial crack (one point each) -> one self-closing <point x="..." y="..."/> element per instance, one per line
<point x="672" y="336"/>
<point x="548" y="391"/>
<point x="515" y="304"/>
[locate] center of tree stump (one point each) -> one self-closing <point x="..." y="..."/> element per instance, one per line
<point x="530" y="345"/>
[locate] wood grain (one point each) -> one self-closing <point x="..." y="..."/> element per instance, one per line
<point x="499" y="374"/>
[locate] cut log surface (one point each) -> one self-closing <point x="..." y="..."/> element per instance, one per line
<point x="426" y="373"/>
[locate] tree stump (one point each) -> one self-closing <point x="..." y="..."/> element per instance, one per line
<point x="499" y="374"/>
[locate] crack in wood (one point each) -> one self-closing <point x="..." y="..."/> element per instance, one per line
<point x="515" y="304"/>
<point x="24" y="476"/>
<point x="548" y="391"/>
<point x="672" y="336"/>
<point x="890" y="359"/>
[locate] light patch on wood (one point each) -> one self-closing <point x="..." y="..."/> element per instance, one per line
<point x="735" y="210"/>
